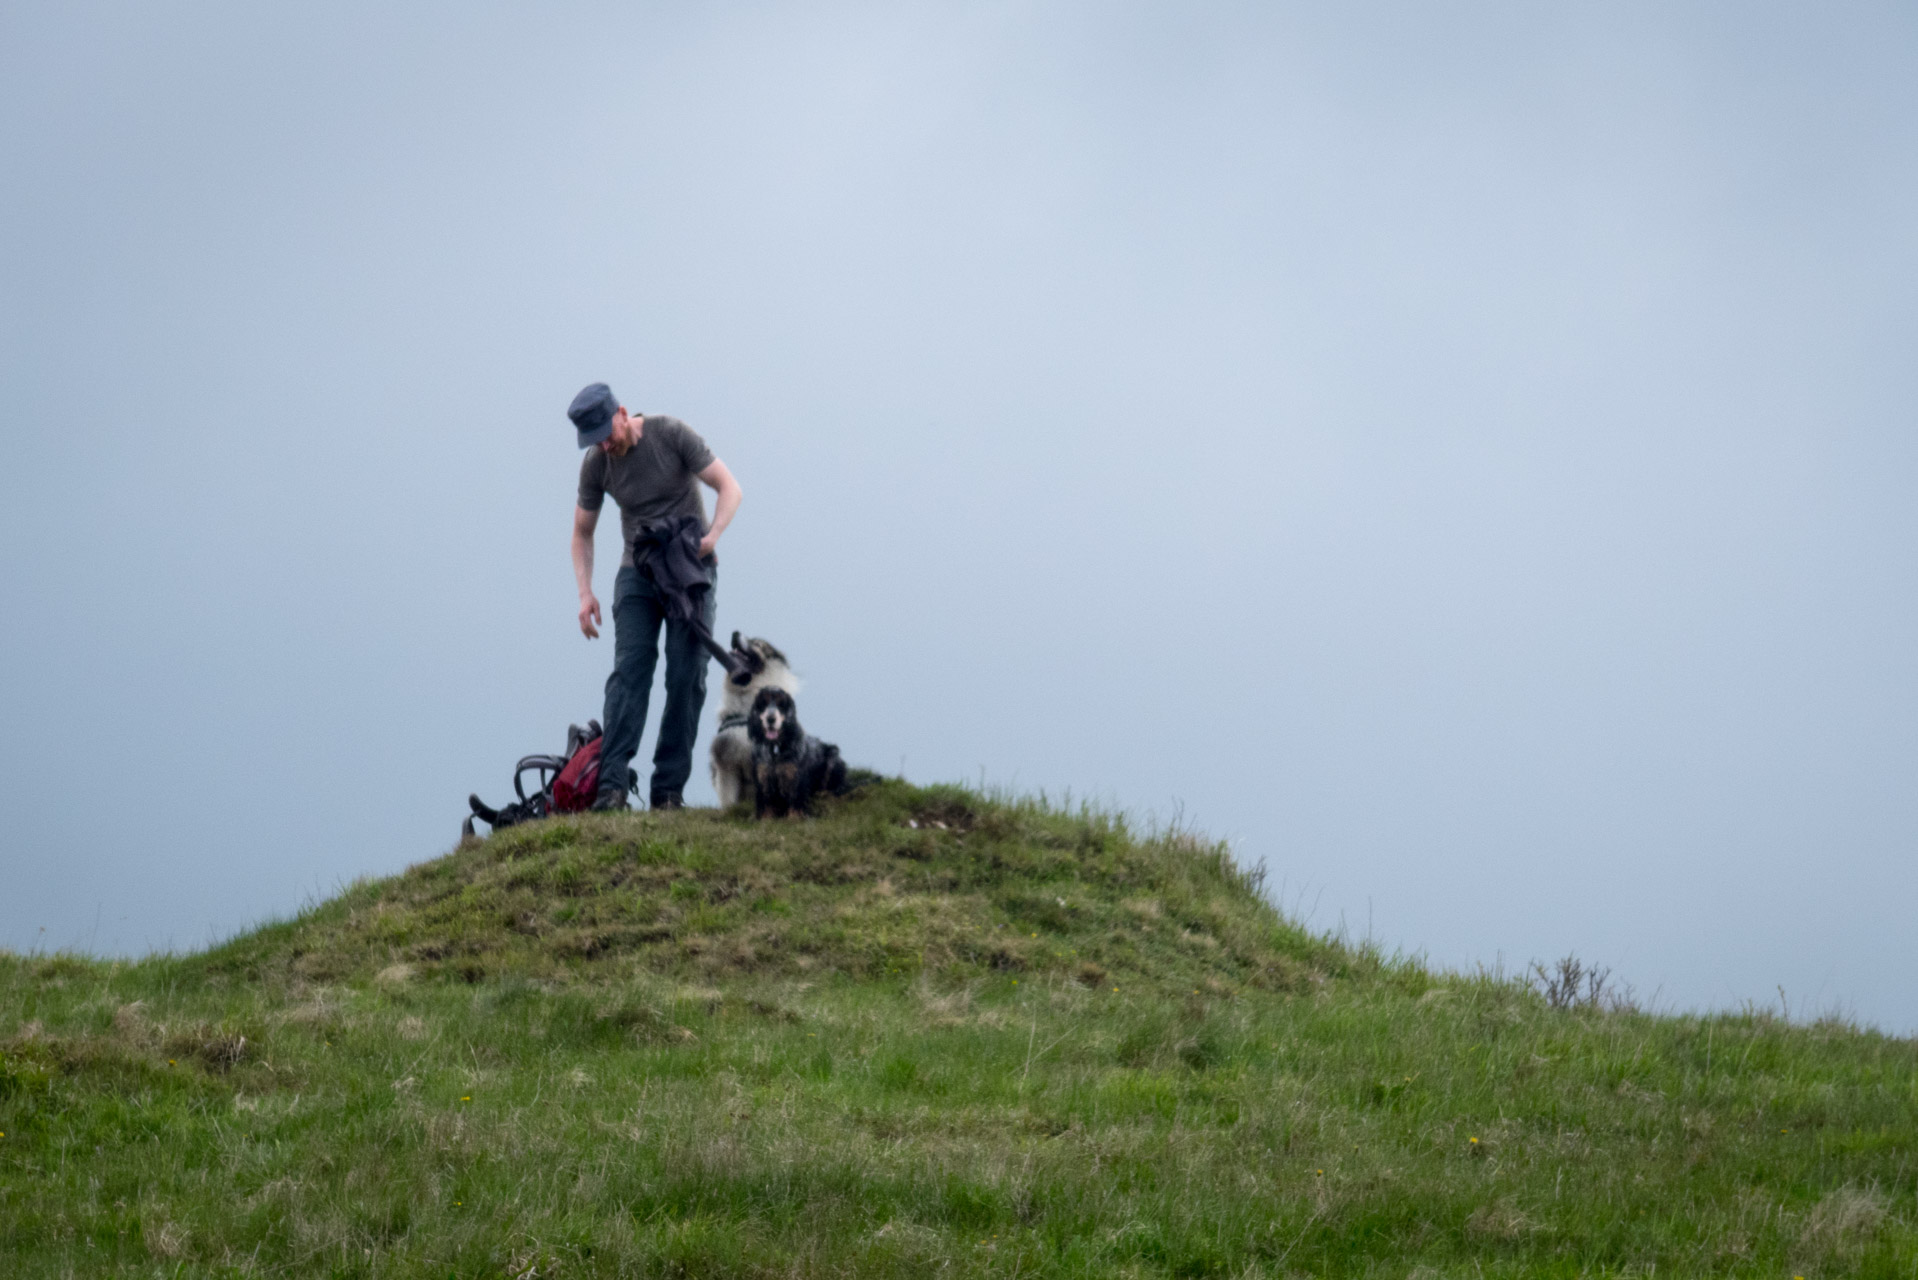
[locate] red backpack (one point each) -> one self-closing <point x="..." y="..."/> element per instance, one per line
<point x="578" y="781"/>
<point x="567" y="783"/>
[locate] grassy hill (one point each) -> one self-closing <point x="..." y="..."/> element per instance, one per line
<point x="927" y="1033"/>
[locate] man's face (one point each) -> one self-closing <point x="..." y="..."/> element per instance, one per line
<point x="625" y="434"/>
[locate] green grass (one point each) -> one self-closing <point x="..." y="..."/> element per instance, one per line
<point x="927" y="1033"/>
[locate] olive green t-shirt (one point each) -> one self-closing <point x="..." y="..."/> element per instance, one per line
<point x="656" y="480"/>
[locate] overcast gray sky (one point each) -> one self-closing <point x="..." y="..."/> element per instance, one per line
<point x="1462" y="454"/>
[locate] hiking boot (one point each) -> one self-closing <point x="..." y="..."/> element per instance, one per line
<point x="667" y="800"/>
<point x="609" y="801"/>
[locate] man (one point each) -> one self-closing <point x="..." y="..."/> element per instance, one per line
<point x="648" y="464"/>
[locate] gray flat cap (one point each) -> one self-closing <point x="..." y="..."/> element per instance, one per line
<point x="592" y="413"/>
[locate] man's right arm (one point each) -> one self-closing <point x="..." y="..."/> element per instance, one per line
<point x="584" y="522"/>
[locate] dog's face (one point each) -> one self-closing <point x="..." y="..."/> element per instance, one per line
<point x="772" y="718"/>
<point x="755" y="658"/>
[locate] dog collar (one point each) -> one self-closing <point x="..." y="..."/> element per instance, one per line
<point x="737" y="720"/>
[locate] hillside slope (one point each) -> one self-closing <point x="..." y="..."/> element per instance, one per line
<point x="899" y="881"/>
<point x="927" y="1033"/>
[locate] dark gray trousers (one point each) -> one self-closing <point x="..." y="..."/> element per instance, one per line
<point x="637" y="615"/>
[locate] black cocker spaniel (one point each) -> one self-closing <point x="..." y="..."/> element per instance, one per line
<point x="790" y="766"/>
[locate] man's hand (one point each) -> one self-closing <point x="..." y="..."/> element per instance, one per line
<point x="707" y="543"/>
<point x="589" y="618"/>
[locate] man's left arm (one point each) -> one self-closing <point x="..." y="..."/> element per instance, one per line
<point x="725" y="502"/>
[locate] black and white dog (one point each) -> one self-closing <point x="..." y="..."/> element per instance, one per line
<point x="757" y="665"/>
<point x="790" y="766"/>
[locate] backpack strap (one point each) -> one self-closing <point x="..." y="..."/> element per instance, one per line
<point x="577" y="737"/>
<point x="547" y="767"/>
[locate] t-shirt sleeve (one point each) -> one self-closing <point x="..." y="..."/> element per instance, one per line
<point x="692" y="448"/>
<point x="592" y="481"/>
